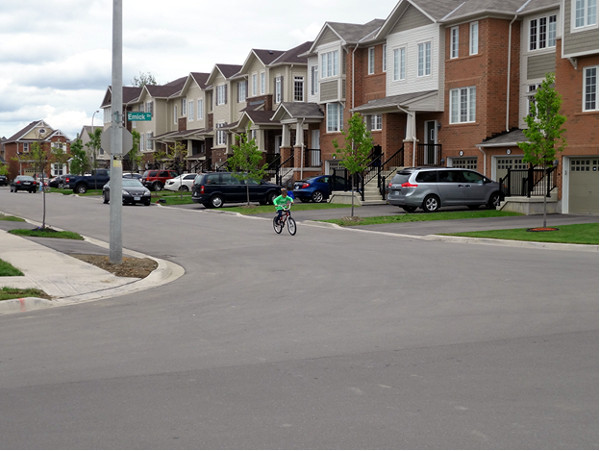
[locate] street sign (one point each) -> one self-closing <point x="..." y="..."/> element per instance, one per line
<point x="105" y="140"/>
<point x="138" y="116"/>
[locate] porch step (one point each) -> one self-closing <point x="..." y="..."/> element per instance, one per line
<point x="533" y="205"/>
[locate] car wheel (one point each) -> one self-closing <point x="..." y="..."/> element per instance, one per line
<point x="157" y="186"/>
<point x="409" y="209"/>
<point x="317" y="197"/>
<point x="147" y="202"/>
<point x="106" y="197"/>
<point x="494" y="200"/>
<point x="81" y="189"/>
<point x="473" y="207"/>
<point x="183" y="188"/>
<point x="270" y="198"/>
<point x="216" y="201"/>
<point x="431" y="204"/>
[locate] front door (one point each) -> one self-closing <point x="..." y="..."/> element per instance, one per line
<point x="430" y="140"/>
<point x="315" y="143"/>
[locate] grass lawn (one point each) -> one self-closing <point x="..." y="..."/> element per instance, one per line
<point x="15" y="293"/>
<point x="8" y="270"/>
<point x="573" y="233"/>
<point x="254" y="209"/>
<point x="10" y="218"/>
<point x="47" y="233"/>
<point x="416" y="217"/>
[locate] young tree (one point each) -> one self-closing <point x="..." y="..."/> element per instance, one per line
<point x="144" y="78"/>
<point x="40" y="160"/>
<point x="80" y="162"/>
<point x="246" y="160"/>
<point x="544" y="128"/>
<point x="134" y="157"/>
<point x="94" y="144"/>
<point x="175" y="156"/>
<point x="354" y="156"/>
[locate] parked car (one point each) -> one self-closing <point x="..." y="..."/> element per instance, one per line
<point x="133" y="192"/>
<point x="3" y="180"/>
<point x="60" y="181"/>
<point x="183" y="182"/>
<point x="155" y="179"/>
<point x="319" y="188"/>
<point x="23" y="183"/>
<point x="132" y="175"/>
<point x="432" y="188"/>
<point x="80" y="184"/>
<point x="213" y="189"/>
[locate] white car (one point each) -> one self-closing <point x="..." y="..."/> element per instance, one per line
<point x="183" y="182"/>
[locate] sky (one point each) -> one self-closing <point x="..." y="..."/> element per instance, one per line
<point x="56" y="55"/>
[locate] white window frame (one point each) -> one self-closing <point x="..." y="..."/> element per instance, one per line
<point x="278" y="90"/>
<point x="584" y="14"/>
<point x="473" y="38"/>
<point x="150" y="107"/>
<point x="149" y="141"/>
<point x="330" y="64"/>
<point x="221" y="137"/>
<point x="335" y="117"/>
<point x="183" y="107"/>
<point x="200" y="111"/>
<point x="589" y="89"/>
<point x="371" y="61"/>
<point x="314" y="80"/>
<point x="424" y="59"/>
<point x="254" y="84"/>
<point x="384" y="58"/>
<point x="376" y="122"/>
<point x="542" y="32"/>
<point x="454" y="36"/>
<point x="298" y="88"/>
<point x="263" y="83"/>
<point x="242" y="95"/>
<point x="399" y="63"/>
<point x="220" y="94"/>
<point x="191" y="110"/>
<point x="175" y="117"/>
<point x="463" y="105"/>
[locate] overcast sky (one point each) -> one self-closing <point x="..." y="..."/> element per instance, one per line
<point x="55" y="55"/>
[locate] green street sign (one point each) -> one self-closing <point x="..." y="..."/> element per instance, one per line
<point x="138" y="116"/>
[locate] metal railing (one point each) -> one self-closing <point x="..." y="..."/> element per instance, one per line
<point x="312" y="158"/>
<point x="428" y="154"/>
<point x="529" y="182"/>
<point x="376" y="168"/>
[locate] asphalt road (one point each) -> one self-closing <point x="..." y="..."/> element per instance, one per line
<point x="328" y="339"/>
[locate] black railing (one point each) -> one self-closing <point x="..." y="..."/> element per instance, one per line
<point x="284" y="168"/>
<point x="529" y="182"/>
<point x="428" y="154"/>
<point x="396" y="160"/>
<point x="377" y="166"/>
<point x="312" y="158"/>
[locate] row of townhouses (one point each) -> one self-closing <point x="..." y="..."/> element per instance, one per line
<point x="438" y="82"/>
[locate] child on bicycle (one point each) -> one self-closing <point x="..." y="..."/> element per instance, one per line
<point x="282" y="203"/>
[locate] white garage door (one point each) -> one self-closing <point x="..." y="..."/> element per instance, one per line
<point x="583" y="185"/>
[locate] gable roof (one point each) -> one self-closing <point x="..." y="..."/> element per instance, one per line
<point x="165" y="91"/>
<point x="226" y="70"/>
<point x="297" y="110"/>
<point x="266" y="57"/>
<point x="130" y="94"/>
<point x="296" y="55"/>
<point x="347" y="33"/>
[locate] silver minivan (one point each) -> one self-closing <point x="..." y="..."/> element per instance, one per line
<point x="432" y="188"/>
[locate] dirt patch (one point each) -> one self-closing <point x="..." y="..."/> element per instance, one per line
<point x="130" y="267"/>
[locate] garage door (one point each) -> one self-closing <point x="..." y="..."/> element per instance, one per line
<point x="583" y="185"/>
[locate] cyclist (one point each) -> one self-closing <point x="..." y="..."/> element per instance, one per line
<point x="282" y="203"/>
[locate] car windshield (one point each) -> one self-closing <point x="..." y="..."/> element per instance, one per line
<point x="132" y="183"/>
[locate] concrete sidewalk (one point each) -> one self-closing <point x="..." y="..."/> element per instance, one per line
<point x="67" y="279"/>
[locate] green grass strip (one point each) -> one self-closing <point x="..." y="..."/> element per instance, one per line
<point x="11" y="218"/>
<point x="572" y="233"/>
<point x="418" y="217"/>
<point x="260" y="209"/>
<point x="47" y="233"/>
<point x="8" y="270"/>
<point x="15" y="293"/>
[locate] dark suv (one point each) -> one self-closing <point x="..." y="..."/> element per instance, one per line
<point x="154" y="179"/>
<point x="213" y="189"/>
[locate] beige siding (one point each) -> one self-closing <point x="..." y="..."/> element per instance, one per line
<point x="328" y="91"/>
<point x="328" y="36"/>
<point x="579" y="42"/>
<point x="413" y="18"/>
<point x="539" y="65"/>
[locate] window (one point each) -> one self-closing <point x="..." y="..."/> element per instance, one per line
<point x="400" y="63"/>
<point x="371" y="60"/>
<point x="585" y="13"/>
<point x="330" y="64"/>
<point x="474" y="39"/>
<point x="221" y="135"/>
<point x="384" y="58"/>
<point x="278" y="89"/>
<point x="175" y="117"/>
<point x="254" y="85"/>
<point x="150" y="107"/>
<point x="590" y="87"/>
<point x="149" y="141"/>
<point x="298" y="89"/>
<point x="424" y="62"/>
<point x="242" y="91"/>
<point x="542" y="32"/>
<point x="263" y="83"/>
<point x="462" y="105"/>
<point x="221" y="95"/>
<point x="376" y="122"/>
<point x="183" y="107"/>
<point x="200" y="111"/>
<point x="454" y="42"/>
<point x="335" y="117"/>
<point x="314" y="80"/>
<point x="531" y="91"/>
<point x="191" y="110"/>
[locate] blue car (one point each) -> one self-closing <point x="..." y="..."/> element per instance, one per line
<point x="319" y="188"/>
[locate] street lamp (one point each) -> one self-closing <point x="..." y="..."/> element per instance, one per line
<point x="90" y="134"/>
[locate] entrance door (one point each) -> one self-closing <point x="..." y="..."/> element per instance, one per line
<point x="430" y="140"/>
<point x="315" y="144"/>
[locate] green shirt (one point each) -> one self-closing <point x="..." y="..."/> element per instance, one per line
<point x="282" y="202"/>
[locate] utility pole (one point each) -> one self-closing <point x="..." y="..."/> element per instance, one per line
<point x="116" y="138"/>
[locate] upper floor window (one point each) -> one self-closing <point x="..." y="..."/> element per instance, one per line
<point x="191" y="110"/>
<point x="376" y="122"/>
<point x="454" y="42"/>
<point x="384" y="58"/>
<point x="585" y="13"/>
<point x="371" y="60"/>
<point x="254" y="85"/>
<point x="221" y="135"/>
<point x="263" y="83"/>
<point x="221" y="98"/>
<point x="183" y="106"/>
<point x="462" y="105"/>
<point x="242" y="91"/>
<point x="150" y="107"/>
<point x="200" y="110"/>
<point x="149" y="141"/>
<point x="330" y="64"/>
<point x="335" y="117"/>
<point x="424" y="62"/>
<point x="474" y="38"/>
<point x="298" y="89"/>
<point x="175" y="117"/>
<point x="590" y="88"/>
<point x="400" y="63"/>
<point x="278" y="89"/>
<point x="542" y="32"/>
<point x="314" y="80"/>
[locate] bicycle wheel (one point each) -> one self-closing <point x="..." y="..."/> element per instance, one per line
<point x="277" y="226"/>
<point x="291" y="224"/>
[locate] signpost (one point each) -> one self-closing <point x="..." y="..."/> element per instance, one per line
<point x="138" y="116"/>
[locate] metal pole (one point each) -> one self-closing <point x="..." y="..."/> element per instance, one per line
<point x="116" y="138"/>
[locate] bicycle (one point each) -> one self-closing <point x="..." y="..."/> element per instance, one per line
<point x="286" y="218"/>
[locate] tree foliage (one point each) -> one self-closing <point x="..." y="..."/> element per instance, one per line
<point x="355" y="155"/>
<point x="94" y="144"/>
<point x="174" y="155"/>
<point x="143" y="79"/>
<point x="246" y="161"/>
<point x="134" y="156"/>
<point x="79" y="162"/>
